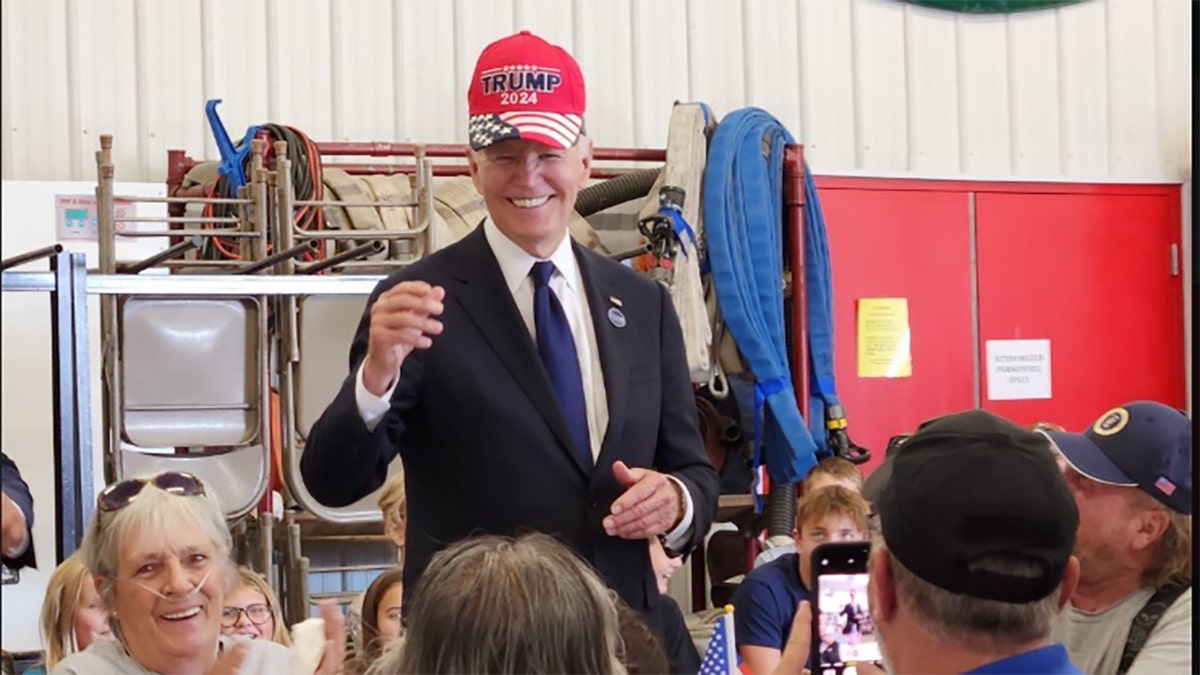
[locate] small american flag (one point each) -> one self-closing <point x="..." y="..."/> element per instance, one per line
<point x="1165" y="486"/>
<point x="720" y="658"/>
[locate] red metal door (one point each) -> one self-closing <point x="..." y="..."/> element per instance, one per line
<point x="901" y="243"/>
<point x="1090" y="270"/>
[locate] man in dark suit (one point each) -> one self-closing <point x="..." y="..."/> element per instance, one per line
<point x="17" y="518"/>
<point x="527" y="383"/>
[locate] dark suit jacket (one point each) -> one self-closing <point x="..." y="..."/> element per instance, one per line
<point x="16" y="489"/>
<point x="485" y="445"/>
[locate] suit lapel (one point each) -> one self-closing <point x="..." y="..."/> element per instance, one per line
<point x="484" y="296"/>
<point x="614" y="364"/>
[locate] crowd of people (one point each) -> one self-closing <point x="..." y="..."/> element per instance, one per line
<point x="554" y="477"/>
<point x="994" y="549"/>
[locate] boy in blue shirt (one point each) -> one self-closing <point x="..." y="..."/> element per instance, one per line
<point x="765" y="602"/>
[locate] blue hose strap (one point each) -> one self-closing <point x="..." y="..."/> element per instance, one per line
<point x="762" y="391"/>
<point x="679" y="225"/>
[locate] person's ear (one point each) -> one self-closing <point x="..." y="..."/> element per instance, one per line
<point x="1150" y="526"/>
<point x="1070" y="581"/>
<point x="881" y="588"/>
<point x="473" y="159"/>
<point x="101" y="584"/>
<point x="586" y="142"/>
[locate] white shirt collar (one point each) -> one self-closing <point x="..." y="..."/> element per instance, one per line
<point x="515" y="263"/>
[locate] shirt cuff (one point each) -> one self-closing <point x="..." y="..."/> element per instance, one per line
<point x="18" y="551"/>
<point x="678" y="538"/>
<point x="372" y="408"/>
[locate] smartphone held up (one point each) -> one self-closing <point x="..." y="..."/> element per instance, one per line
<point x="843" y="633"/>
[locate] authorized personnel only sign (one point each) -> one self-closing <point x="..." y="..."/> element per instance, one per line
<point x="1018" y="369"/>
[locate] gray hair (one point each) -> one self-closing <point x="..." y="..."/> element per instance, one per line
<point x="1172" y="561"/>
<point x="975" y="623"/>
<point x="495" y="604"/>
<point x="154" y="514"/>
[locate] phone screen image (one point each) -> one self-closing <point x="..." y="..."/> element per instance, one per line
<point x="844" y="629"/>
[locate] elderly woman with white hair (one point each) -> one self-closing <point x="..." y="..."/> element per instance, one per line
<point x="159" y="549"/>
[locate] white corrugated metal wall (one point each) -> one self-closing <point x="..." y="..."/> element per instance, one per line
<point x="1098" y="90"/>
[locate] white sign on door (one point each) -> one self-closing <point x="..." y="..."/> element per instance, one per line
<point x="1018" y="369"/>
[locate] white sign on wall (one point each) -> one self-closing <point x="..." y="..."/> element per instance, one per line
<point x="1018" y="369"/>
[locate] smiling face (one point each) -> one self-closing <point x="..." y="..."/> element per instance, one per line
<point x="91" y="619"/>
<point x="168" y="597"/>
<point x="245" y="602"/>
<point x="530" y="189"/>
<point x="1108" y="523"/>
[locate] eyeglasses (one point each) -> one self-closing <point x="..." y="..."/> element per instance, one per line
<point x="119" y="495"/>
<point x="257" y="614"/>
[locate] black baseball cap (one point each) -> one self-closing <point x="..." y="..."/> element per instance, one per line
<point x="970" y="485"/>
<point x="1142" y="444"/>
<point x="882" y="473"/>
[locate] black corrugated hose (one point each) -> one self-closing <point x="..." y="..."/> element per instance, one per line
<point x="596" y="198"/>
<point x="781" y="510"/>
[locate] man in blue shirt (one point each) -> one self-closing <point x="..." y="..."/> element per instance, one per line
<point x="974" y="559"/>
<point x="765" y="602"/>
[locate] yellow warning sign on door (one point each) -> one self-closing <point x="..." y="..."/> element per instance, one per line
<point x="883" y="338"/>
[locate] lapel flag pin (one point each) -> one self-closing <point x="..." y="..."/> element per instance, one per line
<point x="616" y="317"/>
<point x="616" y="301"/>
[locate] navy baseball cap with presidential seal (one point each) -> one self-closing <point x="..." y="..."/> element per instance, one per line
<point x="1142" y="444"/>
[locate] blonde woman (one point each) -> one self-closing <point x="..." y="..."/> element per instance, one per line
<point x="72" y="616"/>
<point x="252" y="610"/>
<point x="393" y="504"/>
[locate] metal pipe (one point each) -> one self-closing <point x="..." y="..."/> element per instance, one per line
<point x="360" y="235"/>
<point x="793" y="195"/>
<point x="104" y="207"/>
<point x="350" y="205"/>
<point x="172" y="252"/>
<point x="184" y="199"/>
<point x="276" y="258"/>
<point x="281" y="228"/>
<point x="23" y="258"/>
<point x="425" y="206"/>
<point x="441" y="170"/>
<point x="227" y="232"/>
<point x="258" y="193"/>
<point x="371" y="149"/>
<point x="631" y="253"/>
<point x="345" y="256"/>
<point x="180" y="219"/>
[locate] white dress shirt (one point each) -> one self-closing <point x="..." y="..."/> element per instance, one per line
<point x="567" y="285"/>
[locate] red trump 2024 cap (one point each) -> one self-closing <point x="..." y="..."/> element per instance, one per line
<point x="525" y="87"/>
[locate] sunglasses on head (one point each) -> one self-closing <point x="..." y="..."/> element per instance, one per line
<point x="119" y="495"/>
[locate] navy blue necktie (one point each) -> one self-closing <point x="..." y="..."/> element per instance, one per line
<point x="556" y="346"/>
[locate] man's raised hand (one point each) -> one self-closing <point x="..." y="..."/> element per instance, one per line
<point x="402" y="319"/>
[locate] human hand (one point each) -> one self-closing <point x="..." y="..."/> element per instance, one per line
<point x="651" y="504"/>
<point x="401" y="321"/>
<point x="230" y="660"/>
<point x="335" y="639"/>
<point x="868" y="668"/>
<point x="796" y="649"/>
<point x="12" y="521"/>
